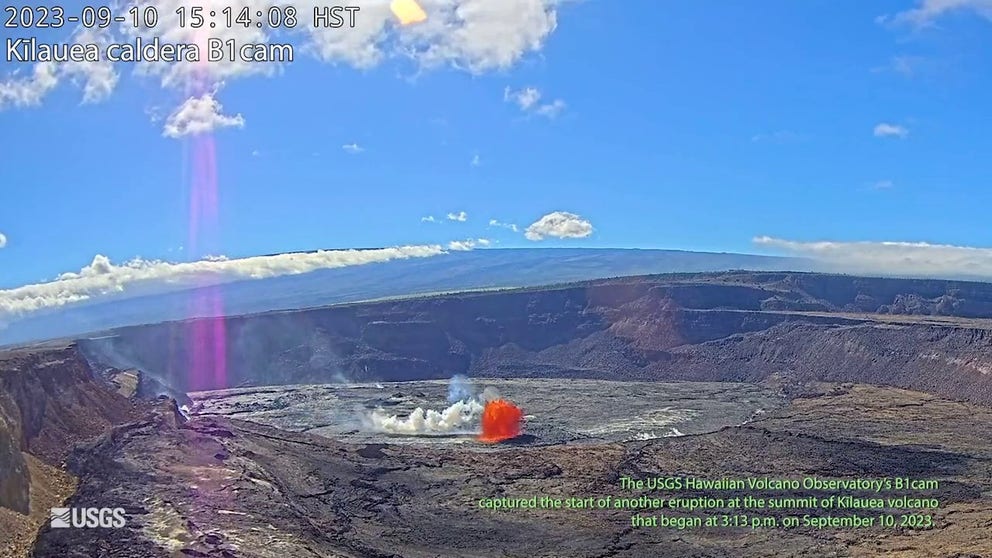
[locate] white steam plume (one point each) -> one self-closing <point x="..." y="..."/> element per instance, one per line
<point x="490" y="394"/>
<point x="459" y="417"/>
<point x="460" y="389"/>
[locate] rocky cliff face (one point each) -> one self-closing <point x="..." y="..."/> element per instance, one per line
<point x="55" y="400"/>
<point x="14" y="476"/>
<point x="49" y="401"/>
<point x="919" y="334"/>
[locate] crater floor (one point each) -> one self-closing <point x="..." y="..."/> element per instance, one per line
<point x="557" y="411"/>
<point x="225" y="487"/>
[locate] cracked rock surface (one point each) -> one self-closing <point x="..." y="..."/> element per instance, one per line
<point x="220" y="486"/>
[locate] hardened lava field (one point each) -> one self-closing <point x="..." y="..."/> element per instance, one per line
<point x="221" y="486"/>
<point x="555" y="411"/>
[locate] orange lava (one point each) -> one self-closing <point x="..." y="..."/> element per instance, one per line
<point x="501" y="420"/>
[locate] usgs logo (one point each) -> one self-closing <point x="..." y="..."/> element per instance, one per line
<point x="64" y="518"/>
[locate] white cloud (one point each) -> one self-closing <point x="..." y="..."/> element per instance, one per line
<point x="928" y="11"/>
<point x="885" y="130"/>
<point x="559" y="224"/>
<point x="528" y="100"/>
<point x="197" y="76"/>
<point x="498" y="223"/>
<point x="524" y="98"/>
<point x="103" y="279"/>
<point x="353" y="148"/>
<point x="3" y="240"/>
<point x="479" y="35"/>
<point x="364" y="46"/>
<point x="199" y="115"/>
<point x="428" y="219"/>
<point x="891" y="258"/>
<point x="473" y="35"/>
<point x="96" y="79"/>
<point x="552" y="109"/>
<point x="476" y="160"/>
<point x="154" y="114"/>
<point x="18" y="92"/>
<point x="882" y="185"/>
<point x="468" y="244"/>
<point x="461" y="216"/>
<point x="476" y="36"/>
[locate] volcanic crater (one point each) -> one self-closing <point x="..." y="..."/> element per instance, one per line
<point x="284" y="452"/>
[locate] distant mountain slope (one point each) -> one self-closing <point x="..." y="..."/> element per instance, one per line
<point x="456" y="271"/>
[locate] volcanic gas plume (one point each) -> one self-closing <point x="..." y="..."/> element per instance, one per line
<point x="500" y="421"/>
<point x="456" y="418"/>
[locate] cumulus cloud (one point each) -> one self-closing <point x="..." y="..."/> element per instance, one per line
<point x="26" y="91"/>
<point x="891" y="258"/>
<point x="528" y="100"/>
<point x="476" y="36"/>
<point x="552" y="109"/>
<point x="104" y="279"/>
<point x="353" y="148"/>
<point x="184" y="75"/>
<point x="559" y="224"/>
<point x="428" y="219"/>
<point x="461" y="216"/>
<point x="363" y="46"/>
<point x="885" y="130"/>
<point x="468" y="244"/>
<point x="498" y="223"/>
<point x="927" y="11"/>
<point x="479" y="35"/>
<point x="524" y="98"/>
<point x="199" y="115"/>
<point x="473" y="35"/>
<point x="96" y="79"/>
<point x="3" y="240"/>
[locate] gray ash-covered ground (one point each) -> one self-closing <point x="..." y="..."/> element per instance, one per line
<point x="556" y="411"/>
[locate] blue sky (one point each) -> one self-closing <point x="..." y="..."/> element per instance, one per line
<point x="689" y="125"/>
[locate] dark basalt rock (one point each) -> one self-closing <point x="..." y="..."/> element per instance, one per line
<point x="14" y="476"/>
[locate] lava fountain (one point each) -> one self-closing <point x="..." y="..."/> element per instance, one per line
<point x="501" y="420"/>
